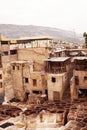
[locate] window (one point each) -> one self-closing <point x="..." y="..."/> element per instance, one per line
<point x="26" y="80"/>
<point x="0" y="64"/>
<point x="17" y="67"/>
<point x="0" y="76"/>
<point x="53" y="79"/>
<point x="85" y="78"/>
<point x="13" y="52"/>
<point x="56" y="95"/>
<point x="37" y="92"/>
<point x="76" y="80"/>
<point x="5" y="53"/>
<point x="13" y="67"/>
<point x="4" y="42"/>
<point x="34" y="82"/>
<point x="0" y="85"/>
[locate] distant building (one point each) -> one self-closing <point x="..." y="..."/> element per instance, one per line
<point x="40" y="41"/>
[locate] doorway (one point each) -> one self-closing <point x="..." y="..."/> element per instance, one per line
<point x="56" y="96"/>
<point x="26" y="96"/>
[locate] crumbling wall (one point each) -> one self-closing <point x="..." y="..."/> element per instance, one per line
<point x="37" y="55"/>
<point x="17" y="77"/>
<point x="58" y="86"/>
<point x="13" y="57"/>
<point x="1" y="81"/>
<point x="81" y="76"/>
<point x="73" y="89"/>
<point x="38" y="86"/>
<point x="7" y="82"/>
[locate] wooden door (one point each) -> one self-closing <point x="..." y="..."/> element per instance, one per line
<point x="56" y="95"/>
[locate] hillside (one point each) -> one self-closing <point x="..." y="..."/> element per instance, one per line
<point x="16" y="31"/>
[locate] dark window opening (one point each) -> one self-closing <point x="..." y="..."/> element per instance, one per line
<point x="34" y="82"/>
<point x="85" y="78"/>
<point x="37" y="92"/>
<point x="46" y="92"/>
<point x="76" y="80"/>
<point x="13" y="52"/>
<point x="53" y="79"/>
<point x="82" y="92"/>
<point x="56" y="96"/>
<point x="0" y="85"/>
<point x="4" y="42"/>
<point x="0" y="64"/>
<point x="26" y="96"/>
<point x="5" y="53"/>
<point x="0" y="76"/>
<point x="26" y="80"/>
<point x="13" y="67"/>
<point x="59" y="55"/>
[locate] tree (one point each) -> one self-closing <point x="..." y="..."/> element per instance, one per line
<point x="85" y="35"/>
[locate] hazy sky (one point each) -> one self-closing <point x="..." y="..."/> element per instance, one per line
<point x="64" y="14"/>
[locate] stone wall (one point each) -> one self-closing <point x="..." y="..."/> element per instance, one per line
<point x="7" y="82"/>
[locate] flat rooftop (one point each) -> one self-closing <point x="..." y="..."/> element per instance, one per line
<point x="81" y="49"/>
<point x="80" y="58"/>
<point x="19" y="62"/>
<point x="35" y="38"/>
<point x="59" y="50"/>
<point x="57" y="59"/>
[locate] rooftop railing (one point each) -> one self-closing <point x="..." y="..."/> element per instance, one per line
<point x="56" y="70"/>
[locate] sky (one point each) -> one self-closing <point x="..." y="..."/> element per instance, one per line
<point x="64" y="14"/>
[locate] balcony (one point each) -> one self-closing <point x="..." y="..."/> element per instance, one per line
<point x="81" y="67"/>
<point x="56" y="70"/>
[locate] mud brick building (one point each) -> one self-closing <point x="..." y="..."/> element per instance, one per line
<point x="32" y="65"/>
<point x="79" y="79"/>
<point x="28" y="74"/>
<point x="57" y="76"/>
<point x="26" y="81"/>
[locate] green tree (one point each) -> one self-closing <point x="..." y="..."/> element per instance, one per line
<point x="85" y="35"/>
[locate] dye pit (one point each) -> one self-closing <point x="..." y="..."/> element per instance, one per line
<point x="58" y="114"/>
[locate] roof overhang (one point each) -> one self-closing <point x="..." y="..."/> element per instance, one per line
<point x="79" y="58"/>
<point x="34" y="38"/>
<point x="57" y="59"/>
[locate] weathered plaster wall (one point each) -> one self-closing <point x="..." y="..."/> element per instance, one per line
<point x="17" y="76"/>
<point x="82" y="82"/>
<point x="73" y="89"/>
<point x="59" y="85"/>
